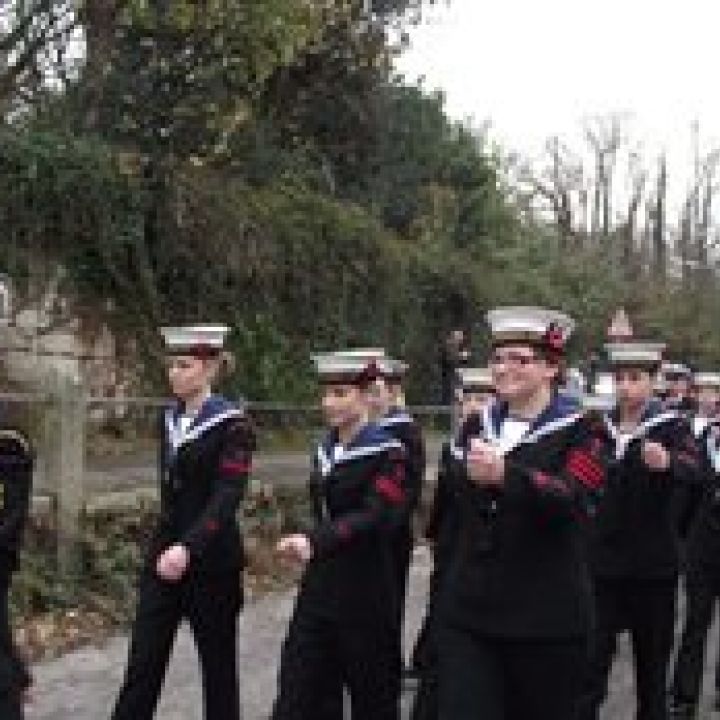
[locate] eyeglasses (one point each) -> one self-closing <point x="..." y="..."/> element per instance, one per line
<point x="512" y="359"/>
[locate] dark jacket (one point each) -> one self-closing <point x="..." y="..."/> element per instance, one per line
<point x="520" y="571"/>
<point x="359" y="499"/>
<point x="403" y="427"/>
<point x="16" y="470"/>
<point x="444" y="521"/>
<point x="203" y="478"/>
<point x="635" y="533"/>
<point x="703" y="545"/>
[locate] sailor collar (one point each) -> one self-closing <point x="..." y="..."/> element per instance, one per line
<point x="560" y="413"/>
<point x="395" y="417"/>
<point x="214" y="411"/>
<point x="653" y="416"/>
<point x="699" y="425"/>
<point x="711" y="433"/>
<point x="702" y="426"/>
<point x="371" y="440"/>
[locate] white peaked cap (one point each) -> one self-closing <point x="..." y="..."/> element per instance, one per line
<point x="386" y="365"/>
<point x="193" y="337"/>
<point x="368" y="354"/>
<point x="528" y="324"/>
<point x="348" y="365"/>
<point x="636" y="352"/>
<point x="707" y="379"/>
<point x="676" y="369"/>
<point x="475" y="378"/>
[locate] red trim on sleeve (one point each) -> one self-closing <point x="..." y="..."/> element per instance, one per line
<point x="585" y="468"/>
<point x="236" y="466"/>
<point x="390" y="489"/>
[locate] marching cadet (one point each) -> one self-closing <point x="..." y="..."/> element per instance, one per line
<point x="386" y="400"/>
<point x="194" y="568"/>
<point x="702" y="566"/>
<point x="515" y="609"/>
<point x="633" y="538"/>
<point x="386" y="408"/>
<point x="343" y="631"/>
<point x="395" y="375"/>
<point x="678" y="382"/>
<point x="476" y="391"/>
<point x="16" y="468"/>
<point x="677" y="379"/>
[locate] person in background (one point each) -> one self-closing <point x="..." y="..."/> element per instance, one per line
<point x="16" y="471"/>
<point x="632" y="540"/>
<point x="678" y="382"/>
<point x="454" y="354"/>
<point x="395" y="376"/>
<point x="193" y="570"/>
<point x="702" y="558"/>
<point x="386" y="403"/>
<point x="476" y="393"/>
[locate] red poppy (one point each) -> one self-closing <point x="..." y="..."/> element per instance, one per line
<point x="554" y="338"/>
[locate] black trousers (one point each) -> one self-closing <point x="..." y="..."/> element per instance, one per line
<point x="646" y="609"/>
<point x="323" y="653"/>
<point x="503" y="679"/>
<point x="425" y="653"/>
<point x="702" y="594"/>
<point x="11" y="707"/>
<point x="11" y="675"/>
<point x="425" y="661"/>
<point x="211" y="606"/>
<point x="403" y="558"/>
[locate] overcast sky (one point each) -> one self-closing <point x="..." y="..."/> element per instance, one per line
<point x="538" y="68"/>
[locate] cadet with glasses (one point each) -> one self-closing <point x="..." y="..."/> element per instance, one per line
<point x="516" y="605"/>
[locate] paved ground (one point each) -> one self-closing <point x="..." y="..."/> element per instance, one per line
<point x="82" y="685"/>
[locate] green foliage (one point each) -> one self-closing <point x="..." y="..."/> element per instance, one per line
<point x="182" y="74"/>
<point x="259" y="163"/>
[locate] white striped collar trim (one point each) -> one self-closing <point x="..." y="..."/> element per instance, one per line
<point x="177" y="439"/>
<point x="459" y="453"/>
<point x="712" y="447"/>
<point x="639" y="433"/>
<point x="393" y="420"/>
<point x="699" y="425"/>
<point x="533" y="436"/>
<point x="327" y="464"/>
